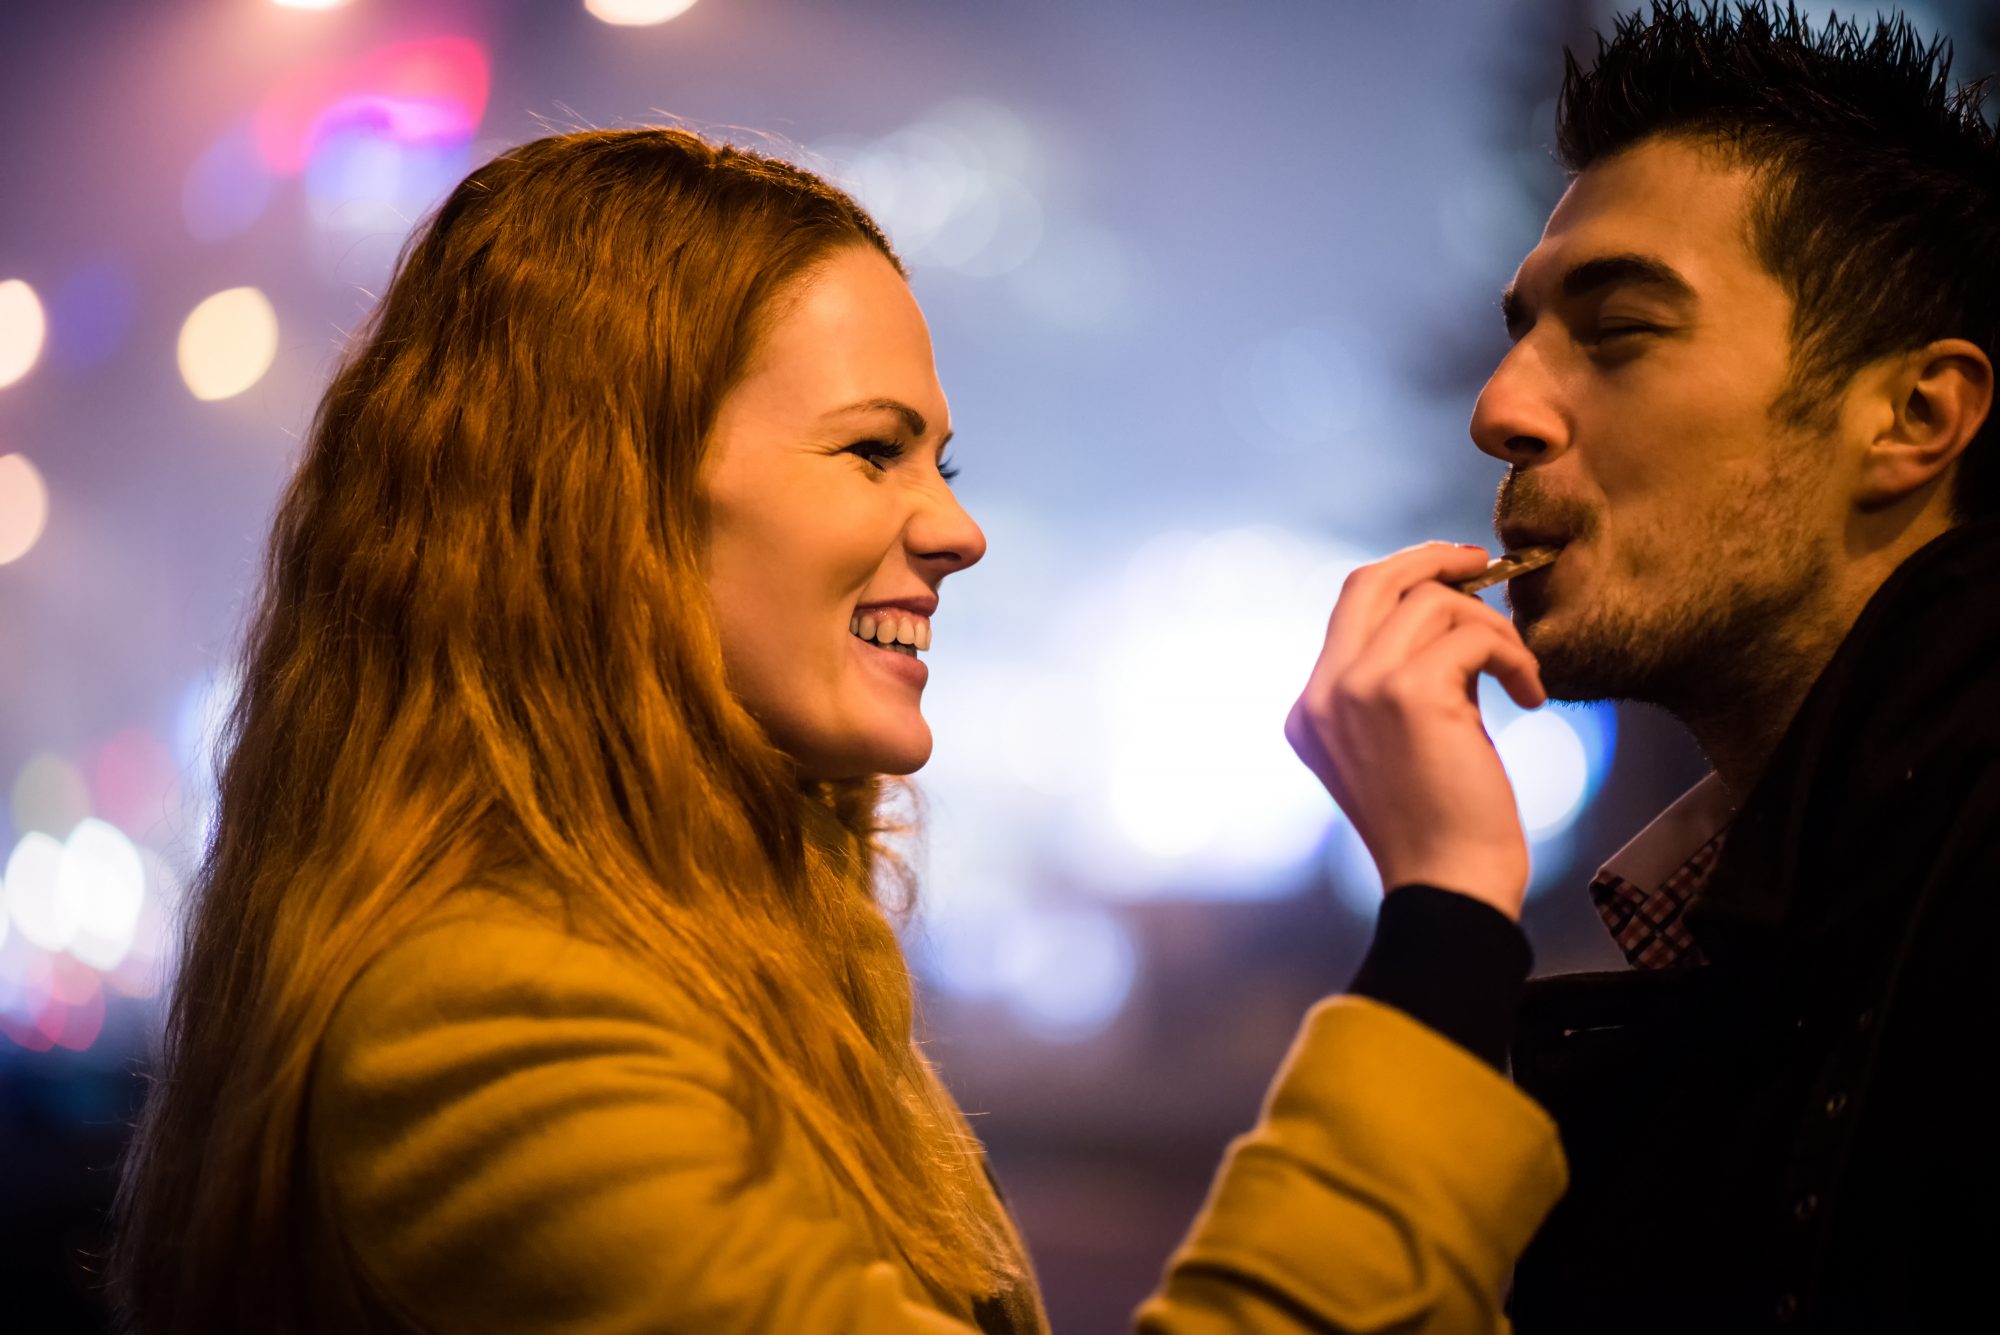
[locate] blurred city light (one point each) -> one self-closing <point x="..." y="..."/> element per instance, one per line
<point x="42" y="914"/>
<point x="227" y="343"/>
<point x="415" y="92"/>
<point x="953" y="189"/>
<point x="1550" y="772"/>
<point x="1066" y="972"/>
<point x="130" y="777"/>
<point x="92" y="312"/>
<point x="637" y="13"/>
<point x="49" y="794"/>
<point x="24" y="507"/>
<point x="102" y="882"/>
<point x="1202" y="648"/>
<point x="228" y="187"/>
<point x="23" y="326"/>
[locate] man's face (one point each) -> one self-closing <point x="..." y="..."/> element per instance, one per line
<point x="1635" y="408"/>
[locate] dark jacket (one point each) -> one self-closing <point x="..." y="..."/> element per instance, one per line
<point x="1798" y="1135"/>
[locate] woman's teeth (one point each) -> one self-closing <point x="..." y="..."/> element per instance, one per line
<point x="899" y="634"/>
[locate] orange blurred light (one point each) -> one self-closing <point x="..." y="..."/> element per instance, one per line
<point x="227" y="343"/>
<point x="24" y="507"/>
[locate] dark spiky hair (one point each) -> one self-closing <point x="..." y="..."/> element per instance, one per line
<point x="1878" y="207"/>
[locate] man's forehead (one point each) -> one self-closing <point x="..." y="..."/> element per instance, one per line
<point x="1682" y="204"/>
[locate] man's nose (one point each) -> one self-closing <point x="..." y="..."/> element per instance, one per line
<point x="1517" y="418"/>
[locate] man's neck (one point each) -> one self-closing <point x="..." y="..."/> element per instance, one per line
<point x="1744" y="713"/>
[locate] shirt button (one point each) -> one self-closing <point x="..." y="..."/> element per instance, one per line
<point x="1805" y="1207"/>
<point x="1836" y="1103"/>
<point x="1787" y="1308"/>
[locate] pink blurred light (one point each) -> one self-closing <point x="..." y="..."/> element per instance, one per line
<point x="130" y="776"/>
<point x="415" y="92"/>
<point x="80" y="1023"/>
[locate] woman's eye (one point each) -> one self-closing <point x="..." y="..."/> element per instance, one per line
<point x="948" y="470"/>
<point x="879" y="453"/>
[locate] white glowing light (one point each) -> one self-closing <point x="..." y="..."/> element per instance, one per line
<point x="1549" y="768"/>
<point x="309" y="4"/>
<point x="228" y="342"/>
<point x="954" y="189"/>
<point x="23" y="328"/>
<point x="41" y="914"/>
<point x="1068" y="971"/>
<point x="637" y="13"/>
<point x="24" y="507"/>
<point x="102" y="882"/>
<point x="1205" y="647"/>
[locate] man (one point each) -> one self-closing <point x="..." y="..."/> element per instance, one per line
<point x="1749" y="397"/>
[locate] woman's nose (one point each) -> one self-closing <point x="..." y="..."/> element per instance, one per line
<point x="943" y="534"/>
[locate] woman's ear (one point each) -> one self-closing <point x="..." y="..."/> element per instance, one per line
<point x="1935" y="400"/>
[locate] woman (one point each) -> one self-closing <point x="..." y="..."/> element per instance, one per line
<point x="536" y="978"/>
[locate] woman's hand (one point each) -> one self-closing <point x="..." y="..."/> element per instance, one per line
<point x="1389" y="722"/>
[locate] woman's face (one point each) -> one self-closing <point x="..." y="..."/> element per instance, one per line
<point x="832" y="525"/>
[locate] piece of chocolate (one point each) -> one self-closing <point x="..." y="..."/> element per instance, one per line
<point x="1506" y="567"/>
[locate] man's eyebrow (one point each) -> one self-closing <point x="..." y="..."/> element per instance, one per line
<point x="1595" y="275"/>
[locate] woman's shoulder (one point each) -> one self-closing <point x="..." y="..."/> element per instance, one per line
<point x="490" y="970"/>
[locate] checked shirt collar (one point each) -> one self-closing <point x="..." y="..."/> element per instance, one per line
<point x="1644" y="891"/>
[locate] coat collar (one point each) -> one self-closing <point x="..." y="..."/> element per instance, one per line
<point x="1861" y="776"/>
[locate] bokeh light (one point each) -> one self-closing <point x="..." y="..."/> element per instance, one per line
<point x="310" y="4"/>
<point x="228" y="187"/>
<point x="227" y="343"/>
<point x="953" y="189"/>
<point x="1066" y="971"/>
<point x="637" y="13"/>
<point x="24" y="507"/>
<point x="130" y="777"/>
<point x="1549" y="769"/>
<point x="41" y="913"/>
<point x="23" y="327"/>
<point x="101" y="882"/>
<point x="415" y="92"/>
<point x="92" y="313"/>
<point x="49" y="794"/>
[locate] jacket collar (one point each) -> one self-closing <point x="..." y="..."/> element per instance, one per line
<point x="1912" y="693"/>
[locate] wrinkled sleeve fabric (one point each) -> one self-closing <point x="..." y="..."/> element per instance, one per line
<point x="517" y="1131"/>
<point x="512" y="1130"/>
<point x="1390" y="1185"/>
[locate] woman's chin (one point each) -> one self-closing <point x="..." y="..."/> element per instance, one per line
<point x="894" y="751"/>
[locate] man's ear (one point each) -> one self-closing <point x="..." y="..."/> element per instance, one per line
<point x="1937" y="398"/>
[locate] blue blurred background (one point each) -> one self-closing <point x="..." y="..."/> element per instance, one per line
<point x="1212" y="285"/>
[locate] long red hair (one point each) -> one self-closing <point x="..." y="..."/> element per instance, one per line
<point x="484" y="652"/>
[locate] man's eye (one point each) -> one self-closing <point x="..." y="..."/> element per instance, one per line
<point x="879" y="453"/>
<point x="1606" y="333"/>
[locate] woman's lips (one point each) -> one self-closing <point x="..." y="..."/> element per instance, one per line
<point x="906" y="667"/>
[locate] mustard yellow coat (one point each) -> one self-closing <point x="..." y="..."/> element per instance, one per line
<point x="514" y="1130"/>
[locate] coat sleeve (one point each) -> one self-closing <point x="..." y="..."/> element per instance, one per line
<point x="512" y="1130"/>
<point x="517" y="1131"/>
<point x="1390" y="1185"/>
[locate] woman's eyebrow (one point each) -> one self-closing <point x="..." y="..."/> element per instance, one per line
<point x="912" y="419"/>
